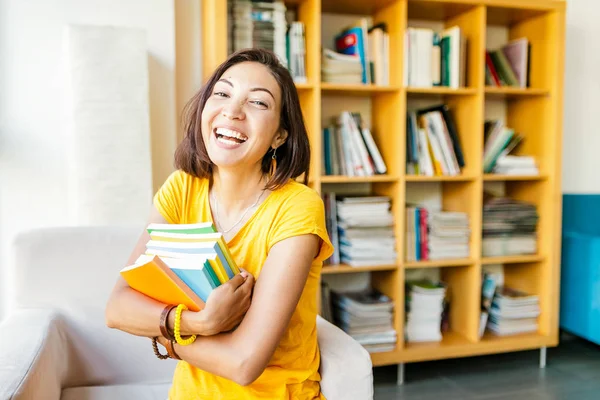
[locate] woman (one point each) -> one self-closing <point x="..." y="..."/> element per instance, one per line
<point x="245" y="143"/>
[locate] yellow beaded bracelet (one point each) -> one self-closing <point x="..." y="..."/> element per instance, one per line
<point x="177" y="328"/>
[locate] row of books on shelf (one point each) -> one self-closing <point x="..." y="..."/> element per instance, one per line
<point x="349" y="148"/>
<point x="505" y="310"/>
<point x="435" y="234"/>
<point x="509" y="64"/>
<point x="433" y="146"/>
<point x="361" y="229"/>
<point x="264" y="25"/>
<point x="499" y="142"/>
<point x="435" y="59"/>
<point x="181" y="264"/>
<point x="367" y="315"/>
<point x="361" y="55"/>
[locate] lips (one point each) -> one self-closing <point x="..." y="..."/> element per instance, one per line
<point x="229" y="136"/>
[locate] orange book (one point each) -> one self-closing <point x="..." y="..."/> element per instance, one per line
<point x="155" y="279"/>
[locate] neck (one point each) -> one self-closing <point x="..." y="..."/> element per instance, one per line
<point x="236" y="190"/>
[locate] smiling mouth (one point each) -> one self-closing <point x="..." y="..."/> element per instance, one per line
<point x="230" y="136"/>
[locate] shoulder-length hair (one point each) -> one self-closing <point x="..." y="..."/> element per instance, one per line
<point x="293" y="156"/>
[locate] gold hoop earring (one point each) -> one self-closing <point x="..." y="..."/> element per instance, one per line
<point x="273" y="163"/>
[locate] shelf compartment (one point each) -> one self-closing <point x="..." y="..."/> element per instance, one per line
<point x="453" y="262"/>
<point x="502" y="177"/>
<point x="510" y="92"/>
<point x="347" y="269"/>
<point x="357" y="179"/>
<point x="525" y="258"/>
<point x="511" y="15"/>
<point x="441" y="90"/>
<point x="423" y="178"/>
<point x="356" y="89"/>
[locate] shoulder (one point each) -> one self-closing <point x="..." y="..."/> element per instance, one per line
<point x="181" y="181"/>
<point x="294" y="193"/>
<point x="171" y="199"/>
<point x="298" y="210"/>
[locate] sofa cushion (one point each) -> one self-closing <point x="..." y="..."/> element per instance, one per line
<point x="118" y="392"/>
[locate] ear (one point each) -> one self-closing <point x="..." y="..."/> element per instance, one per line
<point x="280" y="138"/>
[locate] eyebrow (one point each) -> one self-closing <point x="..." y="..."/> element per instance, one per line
<point x="257" y="89"/>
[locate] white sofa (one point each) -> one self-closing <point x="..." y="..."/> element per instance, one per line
<point x="55" y="345"/>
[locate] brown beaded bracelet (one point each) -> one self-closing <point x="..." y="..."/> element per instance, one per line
<point x="156" y="352"/>
<point x="164" y="318"/>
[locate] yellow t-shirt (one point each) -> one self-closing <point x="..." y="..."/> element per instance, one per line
<point x="292" y="210"/>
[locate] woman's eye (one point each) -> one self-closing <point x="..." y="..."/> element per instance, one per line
<point x="260" y="103"/>
<point x="220" y="94"/>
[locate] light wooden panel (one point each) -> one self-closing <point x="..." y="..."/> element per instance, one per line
<point x="214" y="35"/>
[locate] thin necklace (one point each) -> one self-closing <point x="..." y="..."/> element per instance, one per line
<point x="239" y="220"/>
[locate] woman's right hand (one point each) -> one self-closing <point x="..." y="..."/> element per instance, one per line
<point x="226" y="305"/>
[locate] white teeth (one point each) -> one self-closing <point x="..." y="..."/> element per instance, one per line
<point x="230" y="133"/>
<point x="225" y="139"/>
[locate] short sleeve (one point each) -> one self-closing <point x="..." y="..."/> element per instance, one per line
<point x="168" y="199"/>
<point x="301" y="214"/>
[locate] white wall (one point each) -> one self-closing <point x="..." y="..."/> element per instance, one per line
<point x="581" y="162"/>
<point x="33" y="174"/>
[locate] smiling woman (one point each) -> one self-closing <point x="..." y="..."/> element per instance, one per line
<point x="245" y="142"/>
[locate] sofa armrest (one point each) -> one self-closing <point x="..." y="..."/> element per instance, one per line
<point x="346" y="368"/>
<point x="33" y="355"/>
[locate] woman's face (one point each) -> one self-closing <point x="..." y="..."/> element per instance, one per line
<point x="241" y="118"/>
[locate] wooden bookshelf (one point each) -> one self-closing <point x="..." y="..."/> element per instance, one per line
<point x="535" y="111"/>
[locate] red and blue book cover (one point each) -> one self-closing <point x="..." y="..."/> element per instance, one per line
<point x="351" y="41"/>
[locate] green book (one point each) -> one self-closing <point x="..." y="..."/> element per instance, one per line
<point x="202" y="227"/>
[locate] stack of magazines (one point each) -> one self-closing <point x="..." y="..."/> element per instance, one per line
<point x="509" y="227"/>
<point x="367" y="316"/>
<point x="426" y="310"/>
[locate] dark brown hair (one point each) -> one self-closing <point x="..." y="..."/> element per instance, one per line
<point x="293" y="156"/>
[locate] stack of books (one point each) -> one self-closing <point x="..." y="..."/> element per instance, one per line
<point x="340" y="68"/>
<point x="370" y="46"/>
<point x="183" y="263"/>
<point x="367" y="316"/>
<point x="349" y="148"/>
<point x="509" y="226"/>
<point x="500" y="142"/>
<point x="508" y="65"/>
<point x="366" y="231"/>
<point x="436" y="235"/>
<point x="263" y="25"/>
<point x="435" y="59"/>
<point x="426" y="309"/>
<point x="433" y="146"/>
<point x="513" y="312"/>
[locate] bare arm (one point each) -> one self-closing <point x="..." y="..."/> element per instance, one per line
<point x="243" y="355"/>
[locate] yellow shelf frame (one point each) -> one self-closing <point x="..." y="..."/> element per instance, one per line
<point x="535" y="111"/>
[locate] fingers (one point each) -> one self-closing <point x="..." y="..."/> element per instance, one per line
<point x="236" y="281"/>
<point x="247" y="279"/>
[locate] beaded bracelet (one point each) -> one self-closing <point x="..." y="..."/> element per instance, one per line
<point x="156" y="352"/>
<point x="177" y="328"/>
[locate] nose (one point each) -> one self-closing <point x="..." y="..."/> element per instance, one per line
<point x="232" y="110"/>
